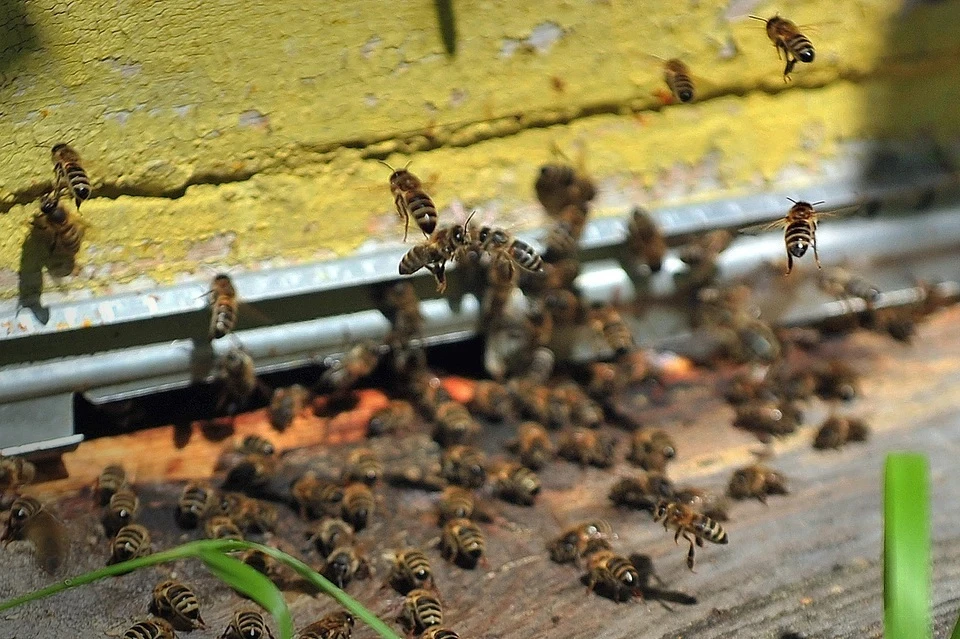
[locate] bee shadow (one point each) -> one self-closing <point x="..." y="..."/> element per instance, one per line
<point x="33" y="255"/>
<point x="662" y="595"/>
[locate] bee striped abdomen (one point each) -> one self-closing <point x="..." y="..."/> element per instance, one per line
<point x="677" y="76"/>
<point x="799" y="236"/>
<point x="423" y="210"/>
<point x="800" y="46"/>
<point x="711" y="530"/>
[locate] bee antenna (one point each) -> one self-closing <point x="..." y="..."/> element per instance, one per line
<point x="818" y="203"/>
<point x="759" y="18"/>
<point x="470" y="217"/>
<point x="792" y="200"/>
<point x="386" y="165"/>
<point x="407" y="165"/>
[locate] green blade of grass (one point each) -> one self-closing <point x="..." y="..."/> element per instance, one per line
<point x="956" y="630"/>
<point x="906" y="547"/>
<point x="251" y="583"/>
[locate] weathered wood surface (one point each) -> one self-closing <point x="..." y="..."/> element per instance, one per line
<point x="807" y="563"/>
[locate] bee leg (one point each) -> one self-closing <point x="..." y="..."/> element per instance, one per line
<point x="690" y="554"/>
<point x="789" y="262"/>
<point x="676" y="538"/>
<point x="816" y="256"/>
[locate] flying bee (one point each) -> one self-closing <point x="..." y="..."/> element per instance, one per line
<point x="193" y="505"/>
<point x="767" y="419"/>
<point x="421" y="610"/>
<point x="238" y="380"/>
<point x="445" y="244"/>
<point x="343" y="564"/>
<point x="455" y="503"/>
<point x="464" y="466"/>
<point x="344" y="372"/>
<point x="68" y="173"/>
<point x="570" y="544"/>
<point x="150" y="629"/>
<point x="497" y="241"/>
<point x="837" y="431"/>
<point x="515" y="483"/>
<point x="316" y="497"/>
<point x="694" y="527"/>
<point x="491" y="400"/>
<point x="563" y="236"/>
<point x="533" y="445"/>
<point x="462" y="543"/>
<point x="439" y="632"/>
<point x="412" y="201"/>
<point x="612" y="575"/>
<point x="111" y="479"/>
<point x="841" y="283"/>
<point x="645" y="240"/>
<point x="336" y="625"/>
<point x="609" y="323"/>
<point x="559" y="185"/>
<point x="651" y="449"/>
<point x="363" y="465"/>
<point x="587" y="447"/>
<point x="397" y="416"/>
<point x="222" y="527"/>
<point x="401" y="306"/>
<point x="122" y="509"/>
<point x="177" y="603"/>
<point x="285" y="405"/>
<point x="15" y="472"/>
<point x="641" y="492"/>
<point x="454" y="424"/>
<point x="31" y="521"/>
<point x="330" y="534"/>
<point x="358" y="505"/>
<point x="132" y="541"/>
<point x="835" y="379"/>
<point x="676" y="74"/>
<point x="256" y="445"/>
<point x="410" y="570"/>
<point x="786" y="37"/>
<point x="247" y="624"/>
<point x="224" y="306"/>
<point x="59" y="228"/>
<point x="800" y="231"/>
<point x="756" y="482"/>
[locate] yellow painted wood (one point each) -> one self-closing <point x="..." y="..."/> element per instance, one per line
<point x="241" y="133"/>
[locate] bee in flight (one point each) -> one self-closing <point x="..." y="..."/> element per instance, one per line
<point x="444" y="245"/>
<point x="799" y="231"/>
<point x="786" y="37"/>
<point x="676" y="74"/>
<point x="223" y="302"/>
<point x="69" y="174"/>
<point x="412" y="201"/>
<point x="693" y="526"/>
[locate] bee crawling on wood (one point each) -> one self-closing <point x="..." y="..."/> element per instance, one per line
<point x="514" y="482"/>
<point x="651" y="449"/>
<point x="693" y="526"/>
<point x="464" y="466"/>
<point x="336" y="625"/>
<point x="410" y="570"/>
<point x="343" y="564"/>
<point x="612" y="575"/>
<point x="132" y="541"/>
<point x="330" y="534"/>
<point x="193" y="505"/>
<point x="462" y="542"/>
<point x="421" y="610"/>
<point x="31" y="521"/>
<point x="363" y="465"/>
<point x="641" y="492"/>
<point x="533" y="445"/>
<point x="111" y="479"/>
<point x="836" y="431"/>
<point x="756" y="482"/>
<point x="571" y="544"/>
<point x="177" y="603"/>
<point x="150" y="629"/>
<point x="247" y="624"/>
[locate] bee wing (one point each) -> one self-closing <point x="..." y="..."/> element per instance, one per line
<point x="763" y="227"/>
<point x="844" y="211"/>
<point x="252" y="311"/>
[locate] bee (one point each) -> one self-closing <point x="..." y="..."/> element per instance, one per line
<point x="641" y="492"/>
<point x="343" y="564"/>
<point x="251" y="515"/>
<point x="285" y="405"/>
<point x="756" y="482"/>
<point x="258" y="560"/>
<point x="463" y="465"/>
<point x="491" y="400"/>
<point x="445" y="244"/>
<point x="835" y="379"/>
<point x="111" y="479"/>
<point x="439" y="632"/>
<point x="421" y="610"/>
<point x="15" y="472"/>
<point x="587" y="447"/>
<point x="677" y="76"/>
<point x="397" y="416"/>
<point x="330" y="534"/>
<point x="498" y="242"/>
<point x="837" y="431"/>
<point x="574" y="407"/>
<point x="694" y="527"/>
<point x="363" y="465"/>
<point x="427" y="393"/>
<point x="563" y="236"/>
<point x="533" y="445"/>
<point x="559" y="185"/>
<point x="31" y="521"/>
<point x="706" y="502"/>
<point x="455" y="503"/>
<point x="122" y="509"/>
<point x="410" y="570"/>
<point x="344" y="372"/>
<point x="786" y="37"/>
<point x="651" y="449"/>
<point x="612" y="574"/>
<point x="252" y="473"/>
<point x="132" y="541"/>
<point x="570" y="544"/>
<point x="177" y="603"/>
<point x="454" y="424"/>
<point x="608" y="322"/>
<point x="150" y="629"/>
<point x="222" y="527"/>
<point x="193" y="505"/>
<point x="412" y="201"/>
<point x="515" y="483"/>
<point x="256" y="445"/>
<point x="842" y="283"/>
<point x="62" y="230"/>
<point x="238" y="379"/>
<point x="68" y="173"/>
<point x="336" y="625"/>
<point x="224" y="305"/>
<point x="462" y="543"/>
<point x="645" y="240"/>
<point x="247" y="624"/>
<point x="358" y="505"/>
<point x="800" y="231"/>
<point x="766" y="419"/>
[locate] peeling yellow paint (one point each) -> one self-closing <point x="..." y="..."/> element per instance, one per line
<point x="264" y="119"/>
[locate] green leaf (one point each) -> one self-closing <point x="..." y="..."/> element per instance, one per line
<point x="251" y="583"/>
<point x="906" y="548"/>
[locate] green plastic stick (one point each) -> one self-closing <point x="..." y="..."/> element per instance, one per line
<point x="906" y="548"/>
